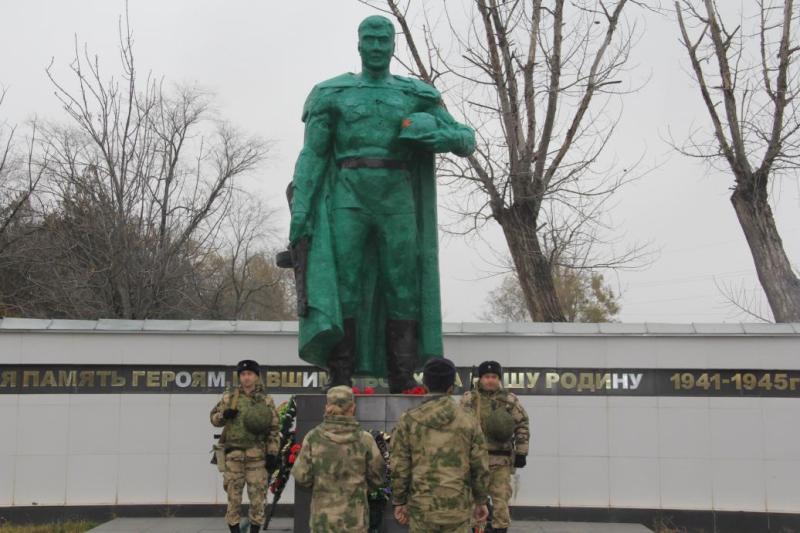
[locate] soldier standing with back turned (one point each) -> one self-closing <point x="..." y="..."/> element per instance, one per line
<point x="251" y="440"/>
<point x="505" y="425"/>
<point x="439" y="463"/>
<point x="340" y="463"/>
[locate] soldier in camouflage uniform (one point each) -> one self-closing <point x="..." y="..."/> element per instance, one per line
<point x="440" y="471"/>
<point x="340" y="463"/>
<point x="251" y="438"/>
<point x="508" y="447"/>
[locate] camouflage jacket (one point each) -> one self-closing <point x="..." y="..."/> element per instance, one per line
<point x="505" y="400"/>
<point x="341" y="463"/>
<point x="235" y="434"/>
<point x="439" y="462"/>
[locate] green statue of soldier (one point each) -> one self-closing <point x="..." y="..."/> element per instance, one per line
<point x="363" y="231"/>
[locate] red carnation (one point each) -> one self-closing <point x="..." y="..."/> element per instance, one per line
<point x="292" y="458"/>
<point x="356" y="390"/>
<point x="369" y="390"/>
<point x="294" y="449"/>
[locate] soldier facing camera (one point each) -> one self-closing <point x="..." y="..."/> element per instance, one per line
<point x="505" y="425"/>
<point x="249" y="444"/>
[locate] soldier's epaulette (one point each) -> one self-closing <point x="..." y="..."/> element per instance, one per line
<point x="342" y="81"/>
<point x="419" y="87"/>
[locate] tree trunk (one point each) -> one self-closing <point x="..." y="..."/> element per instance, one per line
<point x="533" y="269"/>
<point x="775" y="273"/>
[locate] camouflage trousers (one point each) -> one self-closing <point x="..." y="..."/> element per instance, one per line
<point x="500" y="491"/>
<point x="245" y="468"/>
<point x="417" y="527"/>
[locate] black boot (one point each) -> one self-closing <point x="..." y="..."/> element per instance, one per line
<point x="254" y="528"/>
<point x="401" y="352"/>
<point x="343" y="357"/>
<point x="234" y="528"/>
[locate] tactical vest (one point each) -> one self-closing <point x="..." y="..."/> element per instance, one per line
<point x="236" y="434"/>
<point x="488" y="407"/>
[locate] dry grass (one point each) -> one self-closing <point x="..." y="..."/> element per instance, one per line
<point x="58" y="527"/>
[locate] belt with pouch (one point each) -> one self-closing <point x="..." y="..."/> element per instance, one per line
<point x="229" y="449"/>
<point x="504" y="453"/>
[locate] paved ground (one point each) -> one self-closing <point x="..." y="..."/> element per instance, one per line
<point x="216" y="525"/>
<point x="579" y="527"/>
<point x="179" y="525"/>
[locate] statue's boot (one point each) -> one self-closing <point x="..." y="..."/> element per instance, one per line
<point x="342" y="360"/>
<point x="234" y="528"/>
<point x="401" y="353"/>
<point x="255" y="528"/>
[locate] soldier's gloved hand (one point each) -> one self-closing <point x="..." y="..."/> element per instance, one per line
<point x="520" y="461"/>
<point x="229" y="414"/>
<point x="271" y="462"/>
<point x="481" y="513"/>
<point x="401" y="514"/>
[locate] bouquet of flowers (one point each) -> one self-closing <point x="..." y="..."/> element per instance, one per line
<point x="377" y="499"/>
<point x="287" y="412"/>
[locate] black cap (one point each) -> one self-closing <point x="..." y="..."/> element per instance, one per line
<point x="490" y="367"/>
<point x="248" y="364"/>
<point x="439" y="374"/>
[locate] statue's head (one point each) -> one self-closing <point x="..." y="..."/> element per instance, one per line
<point x="376" y="42"/>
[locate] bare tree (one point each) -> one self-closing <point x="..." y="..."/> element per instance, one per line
<point x="136" y="187"/>
<point x="537" y="79"/>
<point x="239" y="280"/>
<point x="584" y="296"/>
<point x="19" y="177"/>
<point x="745" y="302"/>
<point x="749" y="83"/>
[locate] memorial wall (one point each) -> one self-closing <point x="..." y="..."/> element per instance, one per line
<point x="630" y="416"/>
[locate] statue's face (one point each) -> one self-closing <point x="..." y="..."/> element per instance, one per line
<point x="376" y="47"/>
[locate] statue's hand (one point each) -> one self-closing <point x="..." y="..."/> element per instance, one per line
<point x="299" y="227"/>
<point x="434" y="141"/>
<point x="435" y="135"/>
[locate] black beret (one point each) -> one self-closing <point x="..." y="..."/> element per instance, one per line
<point x="439" y="374"/>
<point x="248" y="364"/>
<point x="490" y="367"/>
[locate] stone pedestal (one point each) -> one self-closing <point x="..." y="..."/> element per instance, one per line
<point x="373" y="412"/>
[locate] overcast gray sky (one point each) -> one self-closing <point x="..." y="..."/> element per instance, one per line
<point x="261" y="59"/>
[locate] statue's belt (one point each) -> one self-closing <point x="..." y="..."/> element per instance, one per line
<point x="372" y="162"/>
